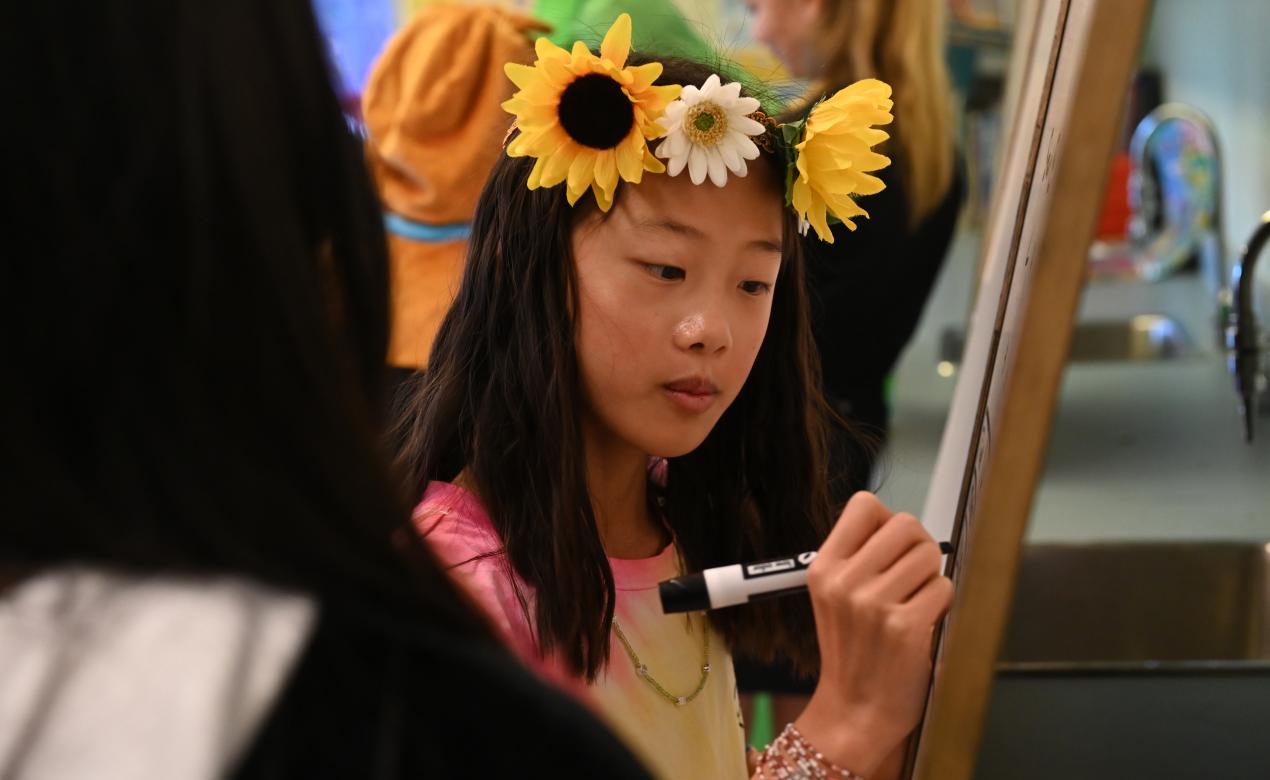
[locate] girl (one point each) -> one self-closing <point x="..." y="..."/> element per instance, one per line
<point x="206" y="565"/>
<point x="632" y="317"/>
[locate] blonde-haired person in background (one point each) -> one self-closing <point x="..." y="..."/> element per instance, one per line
<point x="869" y="292"/>
<point x="834" y="42"/>
<point x="435" y="128"/>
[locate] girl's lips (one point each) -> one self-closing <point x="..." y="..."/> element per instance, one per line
<point x="691" y="402"/>
<point x="694" y="394"/>
<point x="695" y="385"/>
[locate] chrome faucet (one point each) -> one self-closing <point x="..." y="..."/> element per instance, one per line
<point x="1144" y="195"/>
<point x="1243" y="336"/>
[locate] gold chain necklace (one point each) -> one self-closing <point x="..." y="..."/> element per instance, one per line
<point x="641" y="669"/>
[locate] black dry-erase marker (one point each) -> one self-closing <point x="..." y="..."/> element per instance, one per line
<point x="727" y="586"/>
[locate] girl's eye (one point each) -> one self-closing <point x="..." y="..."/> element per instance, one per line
<point x="668" y="273"/>
<point x="756" y="288"/>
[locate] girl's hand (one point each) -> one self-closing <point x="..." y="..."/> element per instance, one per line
<point x="877" y="593"/>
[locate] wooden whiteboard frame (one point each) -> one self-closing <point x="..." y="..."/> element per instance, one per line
<point x="1070" y="108"/>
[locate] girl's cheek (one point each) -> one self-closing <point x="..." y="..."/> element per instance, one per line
<point x="613" y="333"/>
<point x="754" y="337"/>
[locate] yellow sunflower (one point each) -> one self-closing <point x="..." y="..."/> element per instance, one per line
<point x="586" y="119"/>
<point x="835" y="158"/>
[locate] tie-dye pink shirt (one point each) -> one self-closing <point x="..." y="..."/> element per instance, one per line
<point x="701" y="739"/>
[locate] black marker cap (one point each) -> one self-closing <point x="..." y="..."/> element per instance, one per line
<point x="684" y="594"/>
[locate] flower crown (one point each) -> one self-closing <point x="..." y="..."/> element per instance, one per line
<point x="587" y="121"/>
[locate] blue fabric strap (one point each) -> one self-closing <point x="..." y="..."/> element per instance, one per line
<point x="420" y="231"/>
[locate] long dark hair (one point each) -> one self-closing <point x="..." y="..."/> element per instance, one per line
<point x="501" y="402"/>
<point x="194" y="301"/>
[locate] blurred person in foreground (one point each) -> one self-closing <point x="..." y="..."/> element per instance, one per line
<point x="206" y="564"/>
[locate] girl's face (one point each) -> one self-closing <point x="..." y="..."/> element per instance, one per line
<point x="787" y="27"/>
<point x="674" y="291"/>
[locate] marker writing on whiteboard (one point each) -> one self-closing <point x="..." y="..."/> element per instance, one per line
<point x="727" y="586"/>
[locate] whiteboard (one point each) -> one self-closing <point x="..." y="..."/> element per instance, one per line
<point x="960" y="451"/>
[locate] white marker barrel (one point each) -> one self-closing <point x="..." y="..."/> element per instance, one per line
<point x="727" y="586"/>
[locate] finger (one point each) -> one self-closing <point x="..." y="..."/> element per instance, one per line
<point x="860" y="519"/>
<point x="910" y="573"/>
<point x="930" y="603"/>
<point x="890" y="543"/>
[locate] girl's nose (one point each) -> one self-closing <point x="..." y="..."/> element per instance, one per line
<point x="703" y="331"/>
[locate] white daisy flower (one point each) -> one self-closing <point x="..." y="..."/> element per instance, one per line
<point x="709" y="131"/>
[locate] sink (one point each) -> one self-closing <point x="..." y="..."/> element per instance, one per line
<point x="1136" y="604"/>
<point x="1133" y="660"/>
<point x="1139" y="338"/>
<point x="1144" y="337"/>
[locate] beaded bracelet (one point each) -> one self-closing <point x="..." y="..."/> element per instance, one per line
<point x="792" y="757"/>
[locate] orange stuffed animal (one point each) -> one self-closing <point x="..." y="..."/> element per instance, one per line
<point x="435" y="129"/>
